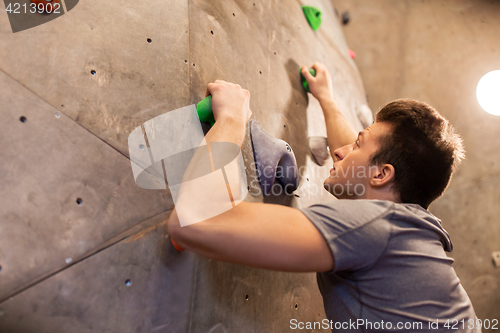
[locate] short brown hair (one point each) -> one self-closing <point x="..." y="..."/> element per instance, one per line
<point x="423" y="148"/>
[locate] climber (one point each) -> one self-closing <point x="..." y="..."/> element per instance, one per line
<point x="378" y="252"/>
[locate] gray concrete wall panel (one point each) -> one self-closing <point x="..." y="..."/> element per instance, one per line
<point x="134" y="80"/>
<point x="140" y="284"/>
<point x="49" y="164"/>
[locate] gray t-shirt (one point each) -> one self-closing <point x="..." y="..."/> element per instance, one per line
<point x="390" y="269"/>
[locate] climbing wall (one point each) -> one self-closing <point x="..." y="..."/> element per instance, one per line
<point x="82" y="247"/>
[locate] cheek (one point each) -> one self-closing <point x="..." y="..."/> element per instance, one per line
<point x="353" y="168"/>
<point x="356" y="160"/>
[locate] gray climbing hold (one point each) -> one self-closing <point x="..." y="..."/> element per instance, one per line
<point x="319" y="149"/>
<point x="274" y="159"/>
<point x="496" y="258"/>
<point x="365" y="114"/>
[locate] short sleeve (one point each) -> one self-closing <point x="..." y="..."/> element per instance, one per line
<point x="357" y="231"/>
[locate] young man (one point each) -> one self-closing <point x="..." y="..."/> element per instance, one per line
<point x="381" y="258"/>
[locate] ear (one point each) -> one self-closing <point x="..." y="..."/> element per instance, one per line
<point x="382" y="175"/>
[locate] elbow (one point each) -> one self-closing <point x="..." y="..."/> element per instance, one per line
<point x="175" y="231"/>
<point x="185" y="237"/>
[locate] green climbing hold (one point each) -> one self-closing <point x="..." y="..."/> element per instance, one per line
<point x="304" y="81"/>
<point x="204" y="110"/>
<point x="313" y="16"/>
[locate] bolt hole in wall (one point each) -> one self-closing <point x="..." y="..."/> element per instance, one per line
<point x="93" y="72"/>
<point x="149" y="40"/>
<point x="212" y="32"/>
<point x="296" y="306"/>
<point x="128" y="282"/>
<point x="79" y="201"/>
<point x="345" y="18"/>
<point x="246" y="297"/>
<point x="23" y="119"/>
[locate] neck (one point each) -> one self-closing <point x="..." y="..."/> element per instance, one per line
<point x="380" y="194"/>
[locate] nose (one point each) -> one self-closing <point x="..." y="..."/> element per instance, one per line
<point x="340" y="153"/>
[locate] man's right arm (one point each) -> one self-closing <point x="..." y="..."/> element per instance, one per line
<point x="339" y="130"/>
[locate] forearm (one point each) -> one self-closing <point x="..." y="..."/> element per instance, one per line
<point x="338" y="129"/>
<point x="224" y="130"/>
<point x="217" y="196"/>
<point x="227" y="130"/>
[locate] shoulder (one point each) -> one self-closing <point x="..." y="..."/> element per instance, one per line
<point x="351" y="212"/>
<point x="356" y="231"/>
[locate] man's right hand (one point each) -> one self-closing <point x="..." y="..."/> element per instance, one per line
<point x="320" y="85"/>
<point x="339" y="130"/>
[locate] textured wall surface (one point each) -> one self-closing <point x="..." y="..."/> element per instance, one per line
<point x="82" y="247"/>
<point x="437" y="51"/>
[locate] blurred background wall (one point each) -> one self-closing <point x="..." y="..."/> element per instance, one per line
<point x="436" y="51"/>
